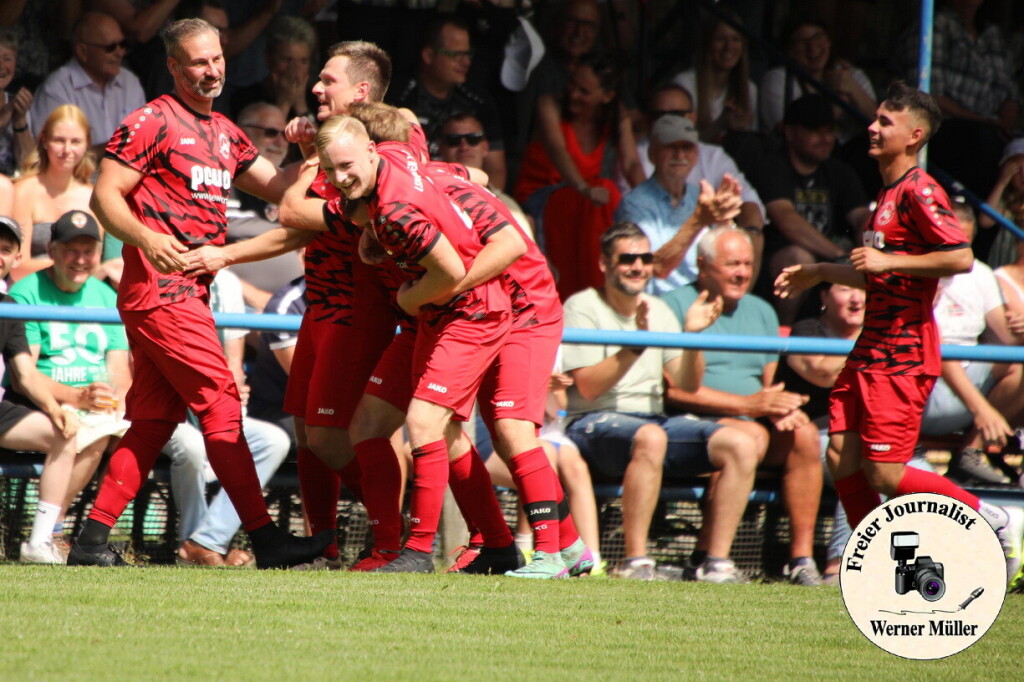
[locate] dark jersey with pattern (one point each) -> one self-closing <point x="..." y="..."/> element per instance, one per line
<point x="334" y="272"/>
<point x="188" y="162"/>
<point x="409" y="214"/>
<point x="530" y="284"/>
<point x="913" y="217"/>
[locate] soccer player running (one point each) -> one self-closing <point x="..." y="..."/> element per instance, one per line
<point x="914" y="238"/>
<point x="162" y="189"/>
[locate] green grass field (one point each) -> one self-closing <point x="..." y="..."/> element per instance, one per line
<point x="172" y="623"/>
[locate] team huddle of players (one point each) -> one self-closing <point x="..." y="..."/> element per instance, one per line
<point x="392" y="239"/>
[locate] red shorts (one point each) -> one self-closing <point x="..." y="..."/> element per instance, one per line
<point x="884" y="410"/>
<point x="391" y="380"/>
<point x="516" y="385"/>
<point x="178" y="363"/>
<point x="331" y="365"/>
<point x="451" y="356"/>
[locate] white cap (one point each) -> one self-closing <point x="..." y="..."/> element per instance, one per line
<point x="523" y="51"/>
<point x="1014" y="148"/>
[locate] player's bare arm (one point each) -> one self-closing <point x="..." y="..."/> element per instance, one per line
<point x="444" y="271"/>
<point x="502" y="249"/>
<point x="108" y="203"/>
<point x="931" y="264"/>
<point x="300" y="211"/>
<point x="796" y="278"/>
<point x="207" y="260"/>
<point x="265" y="180"/>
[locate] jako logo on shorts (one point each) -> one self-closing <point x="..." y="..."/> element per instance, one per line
<point x="880" y="447"/>
<point x="505" y="403"/>
<point x="325" y="410"/>
<point x="438" y="388"/>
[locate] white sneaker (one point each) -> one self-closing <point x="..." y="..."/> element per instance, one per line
<point x="718" y="571"/>
<point x="1015" y="535"/>
<point x="43" y="553"/>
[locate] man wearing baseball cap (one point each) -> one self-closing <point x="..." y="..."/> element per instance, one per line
<point x="672" y="211"/>
<point x="10" y="235"/>
<point x="815" y="204"/>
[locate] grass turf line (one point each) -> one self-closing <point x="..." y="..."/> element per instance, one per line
<point x="172" y="623"/>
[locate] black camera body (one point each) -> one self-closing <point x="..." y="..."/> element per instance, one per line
<point x="924" y="575"/>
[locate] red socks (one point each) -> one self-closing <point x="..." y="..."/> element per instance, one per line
<point x="539" y="492"/>
<point x="231" y="460"/>
<point x="567" y="534"/>
<point x="382" y="489"/>
<point x="319" y="486"/>
<point x="920" y="481"/>
<point x="129" y="466"/>
<point x="857" y="497"/>
<point x="471" y="486"/>
<point x="430" y="477"/>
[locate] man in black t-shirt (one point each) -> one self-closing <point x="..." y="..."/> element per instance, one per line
<point x="815" y="204"/>
<point x="439" y="91"/>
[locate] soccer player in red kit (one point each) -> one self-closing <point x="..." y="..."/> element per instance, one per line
<point x="325" y="385"/>
<point x="457" y="337"/>
<point x="914" y="238"/>
<point x="162" y="189"/>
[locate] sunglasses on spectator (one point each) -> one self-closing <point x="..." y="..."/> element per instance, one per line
<point x="110" y="47"/>
<point x="472" y="139"/>
<point x="658" y="113"/>
<point x="454" y="54"/>
<point x="267" y="132"/>
<point x="630" y="258"/>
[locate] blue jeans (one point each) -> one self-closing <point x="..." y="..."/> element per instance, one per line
<point x="214" y="526"/>
<point x="605" y="440"/>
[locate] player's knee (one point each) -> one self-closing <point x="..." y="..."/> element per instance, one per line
<point x="222" y="415"/>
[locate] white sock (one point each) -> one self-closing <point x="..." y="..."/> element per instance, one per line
<point x="524" y="541"/>
<point x="42" y="524"/>
<point x="597" y="557"/>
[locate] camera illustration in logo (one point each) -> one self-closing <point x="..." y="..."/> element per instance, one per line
<point x="924" y="575"/>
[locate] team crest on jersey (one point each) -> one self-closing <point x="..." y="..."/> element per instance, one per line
<point x="225" y="145"/>
<point x="886" y="213"/>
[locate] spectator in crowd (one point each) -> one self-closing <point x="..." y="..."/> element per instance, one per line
<point x="291" y="47"/>
<point x="973" y="86"/>
<point x="139" y="21"/>
<point x="724" y="98"/>
<point x="439" y="91"/>
<point x="463" y="140"/>
<point x="566" y="182"/>
<point x="6" y="195"/>
<point x="15" y="137"/>
<point x="94" y="79"/>
<point x="56" y="178"/>
<point x="618" y="419"/>
<point x="740" y="388"/>
<point x="983" y="399"/>
<point x="1007" y="197"/>
<point x="269" y="376"/>
<point x="815" y="203"/>
<point x="712" y="164"/>
<point x="249" y="216"/>
<point x="87" y="365"/>
<point x="806" y="40"/>
<point x="208" y="542"/>
<point x="672" y="210"/>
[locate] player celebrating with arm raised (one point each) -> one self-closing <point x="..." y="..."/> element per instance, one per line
<point x="879" y="397"/>
<point x="163" y="189"/>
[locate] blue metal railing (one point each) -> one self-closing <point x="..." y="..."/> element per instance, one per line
<point x="748" y="344"/>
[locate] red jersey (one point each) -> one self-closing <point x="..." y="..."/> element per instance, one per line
<point x="530" y="284"/>
<point x="913" y="217"/>
<point x="188" y="161"/>
<point x="333" y="268"/>
<point x="408" y="231"/>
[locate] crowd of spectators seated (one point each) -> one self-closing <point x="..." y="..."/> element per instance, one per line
<point x="623" y="179"/>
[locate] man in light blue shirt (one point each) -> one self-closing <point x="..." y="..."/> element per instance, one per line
<point x="674" y="213"/>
